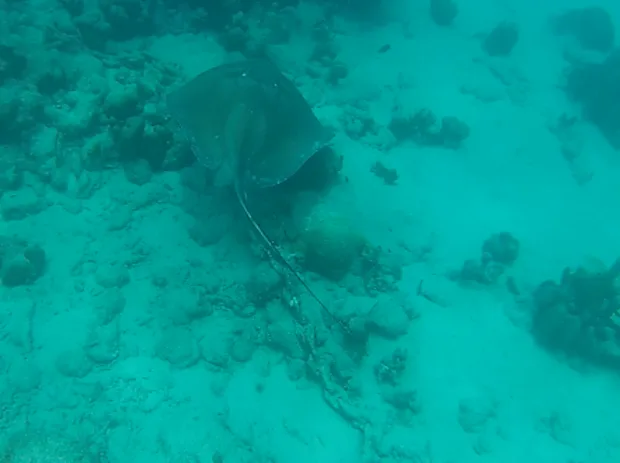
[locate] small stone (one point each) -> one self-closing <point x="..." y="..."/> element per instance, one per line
<point x="242" y="349"/>
<point x="20" y="263"/>
<point x="17" y="205"/>
<point x="474" y="413"/>
<point x="120" y="219"/>
<point x="138" y="172"/>
<point x="195" y="309"/>
<point x="178" y="347"/>
<point x="73" y="364"/>
<point x="215" y="351"/>
<point x="122" y="102"/>
<point x="18" y="272"/>
<point x="112" y="276"/>
<point x="295" y="369"/>
<point x="501" y="40"/>
<point x="102" y="345"/>
<point x="36" y="256"/>
<point x="108" y="305"/>
<point x="390" y="317"/>
<point x="209" y="232"/>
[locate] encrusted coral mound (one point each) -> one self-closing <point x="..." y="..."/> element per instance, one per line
<point x="581" y="315"/>
<point x="20" y="263"/>
<point x="330" y="244"/>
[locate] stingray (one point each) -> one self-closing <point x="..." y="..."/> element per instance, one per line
<point x="248" y="122"/>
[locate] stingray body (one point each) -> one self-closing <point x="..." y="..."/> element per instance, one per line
<point x="249" y="122"/>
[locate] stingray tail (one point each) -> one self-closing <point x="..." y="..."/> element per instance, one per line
<point x="274" y="251"/>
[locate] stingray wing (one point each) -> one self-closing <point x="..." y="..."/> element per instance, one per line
<point x="201" y="107"/>
<point x="249" y="117"/>
<point x="292" y="132"/>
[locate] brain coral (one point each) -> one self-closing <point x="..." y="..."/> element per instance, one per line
<point x="330" y="245"/>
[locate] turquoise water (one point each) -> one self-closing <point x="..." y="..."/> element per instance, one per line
<point x="460" y="229"/>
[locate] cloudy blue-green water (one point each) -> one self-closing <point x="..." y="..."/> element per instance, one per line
<point x="309" y="231"/>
